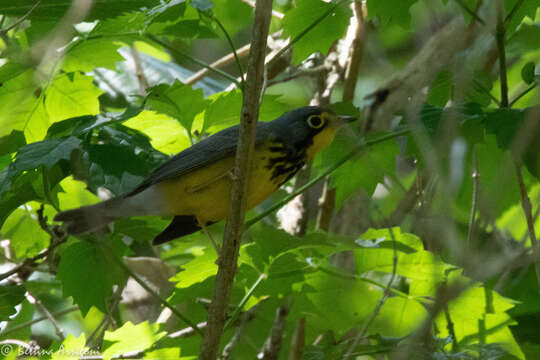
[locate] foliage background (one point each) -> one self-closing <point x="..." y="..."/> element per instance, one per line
<point x="428" y="252"/>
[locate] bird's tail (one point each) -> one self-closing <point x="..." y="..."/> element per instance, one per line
<point x="90" y="218"/>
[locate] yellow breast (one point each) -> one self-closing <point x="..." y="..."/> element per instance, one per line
<point x="205" y="193"/>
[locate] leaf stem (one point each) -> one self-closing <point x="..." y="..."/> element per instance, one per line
<point x="526" y="205"/>
<point x="475" y="176"/>
<point x="196" y="61"/>
<point x="512" y="13"/>
<point x="481" y="87"/>
<point x="525" y="92"/>
<point x="233" y="48"/>
<point x="325" y="173"/>
<point x="39" y="319"/>
<point x="474" y="15"/>
<point x="244" y="300"/>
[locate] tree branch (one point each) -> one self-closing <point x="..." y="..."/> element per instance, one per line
<point x="526" y="205"/>
<point x="272" y="347"/>
<point x="227" y="261"/>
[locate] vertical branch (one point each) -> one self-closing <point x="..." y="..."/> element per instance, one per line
<point x="475" y="175"/>
<point x="227" y="261"/>
<point x="139" y="71"/>
<point x="526" y="205"/>
<point x="328" y="197"/>
<point x="500" y="36"/>
<point x="272" y="347"/>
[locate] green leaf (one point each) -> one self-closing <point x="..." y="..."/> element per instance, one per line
<point x="166" y="12"/>
<point x="364" y="171"/>
<point x="11" y="70"/>
<point x="469" y="308"/>
<point x="441" y="89"/>
<point x="189" y="29"/>
<point x="45" y="153"/>
<point x="324" y="34"/>
<point x="167" y="134"/>
<point x="125" y="27"/>
<point x="526" y="8"/>
<point x="72" y="348"/>
<point x="74" y="194"/>
<point x="527" y="72"/>
<point x="56" y="9"/>
<point x="25" y="314"/>
<point x="130" y="338"/>
<point x="27" y="237"/>
<point x="86" y="55"/>
<point x="72" y="95"/>
<point x="525" y="39"/>
<point x="197" y="270"/>
<point x="20" y="100"/>
<point x="10" y="296"/>
<point x="84" y="124"/>
<point x="10" y="143"/>
<point x="398" y="317"/>
<point x="178" y="101"/>
<point x="224" y="110"/>
<point x="395" y="11"/>
<point x="336" y="312"/>
<point x="141" y="228"/>
<point x="88" y="275"/>
<point x="202" y="5"/>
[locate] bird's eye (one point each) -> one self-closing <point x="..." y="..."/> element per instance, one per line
<point x="315" y="121"/>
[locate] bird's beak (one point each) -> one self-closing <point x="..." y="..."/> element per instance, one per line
<point x="346" y="118"/>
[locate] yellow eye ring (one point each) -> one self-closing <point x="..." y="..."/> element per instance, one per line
<point x="315" y="121"/>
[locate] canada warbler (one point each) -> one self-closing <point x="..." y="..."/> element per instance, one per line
<point x="194" y="185"/>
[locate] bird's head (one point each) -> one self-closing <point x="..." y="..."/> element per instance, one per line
<point x="310" y="127"/>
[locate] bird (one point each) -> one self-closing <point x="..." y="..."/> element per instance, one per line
<point x="194" y="185"/>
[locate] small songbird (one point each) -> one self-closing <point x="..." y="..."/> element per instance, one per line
<point x="194" y="186"/>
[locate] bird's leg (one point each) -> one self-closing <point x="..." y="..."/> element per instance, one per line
<point x="205" y="230"/>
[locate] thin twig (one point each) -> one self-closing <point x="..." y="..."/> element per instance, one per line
<point x="512" y="13"/>
<point x="244" y="300"/>
<point x="500" y="36"/>
<point x="196" y="61"/>
<point x="3" y="32"/>
<point x="233" y="48"/>
<point x="298" y="340"/>
<point x="525" y="92"/>
<point x="187" y="332"/>
<point x="225" y="60"/>
<point x="526" y="205"/>
<point x="451" y="329"/>
<point x="358" y="43"/>
<point x="31" y="262"/>
<point x="227" y="261"/>
<point x="272" y="346"/>
<point x="39" y="319"/>
<point x="486" y="91"/>
<point x="474" y="202"/>
<point x="474" y="15"/>
<point x="139" y="71"/>
<point x="34" y="300"/>
<point x="102" y="326"/>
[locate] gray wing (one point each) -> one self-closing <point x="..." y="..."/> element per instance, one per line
<point x="216" y="147"/>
